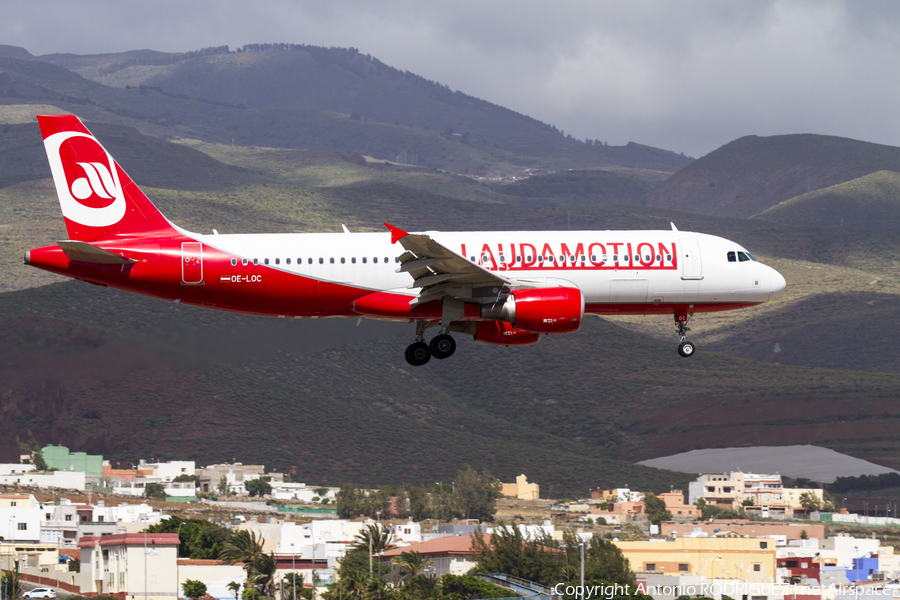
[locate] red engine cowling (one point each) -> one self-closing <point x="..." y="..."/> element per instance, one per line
<point x="541" y="310"/>
<point x="504" y="334"/>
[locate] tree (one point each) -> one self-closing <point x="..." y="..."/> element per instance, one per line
<point x="259" y="486"/>
<point x="509" y="552"/>
<point x="411" y="564"/>
<point x="242" y="547"/>
<point x="186" y="477"/>
<point x="33" y="450"/>
<point x="223" y="486"/>
<point x="74" y="565"/>
<point x="810" y="502"/>
<point x="475" y="494"/>
<point x="418" y="503"/>
<point x="235" y="588"/>
<point x="656" y="509"/>
<point x="200" y="539"/>
<point x="156" y="491"/>
<point x="193" y="588"/>
<point x="349" y="501"/>
<point x="263" y="578"/>
<point x="293" y="587"/>
<point x="463" y="587"/>
<point x="11" y="586"/>
<point x="380" y="537"/>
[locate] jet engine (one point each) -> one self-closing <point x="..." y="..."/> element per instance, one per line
<point x="541" y="310"/>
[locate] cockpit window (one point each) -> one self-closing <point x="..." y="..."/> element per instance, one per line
<point x="743" y="256"/>
<point x="732" y="257"/>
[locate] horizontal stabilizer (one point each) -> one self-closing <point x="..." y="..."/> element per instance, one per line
<point x="84" y="252"/>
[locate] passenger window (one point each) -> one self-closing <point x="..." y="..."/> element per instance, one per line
<point x="255" y="261"/>
<point x="540" y="259"/>
<point x="571" y="259"/>
<point x="615" y="258"/>
<point x="266" y="260"/>
<point x="364" y="260"/>
<point x="502" y="258"/>
<point x="658" y="258"/>
<point x="518" y="259"/>
<point x="529" y="259"/>
<point x="353" y="260"/>
<point x="309" y="260"/>
<point x="582" y="258"/>
<point x="604" y="258"/>
<point x="593" y="258"/>
<point x="277" y="261"/>
<point x="742" y="257"/>
<point x="375" y="259"/>
<point x="331" y="260"/>
<point x="472" y="258"/>
<point x="233" y="262"/>
<point x="287" y="261"/>
<point x="562" y="259"/>
<point x="669" y="257"/>
<point x="646" y="259"/>
<point x="637" y="258"/>
<point x="731" y="257"/>
<point x="244" y="261"/>
<point x="322" y="261"/>
<point x="300" y="261"/>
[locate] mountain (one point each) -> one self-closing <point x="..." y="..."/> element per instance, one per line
<point x="870" y="201"/>
<point x="752" y="174"/>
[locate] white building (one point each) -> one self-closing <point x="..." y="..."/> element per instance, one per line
<point x="20" y="517"/>
<point x="119" y="564"/>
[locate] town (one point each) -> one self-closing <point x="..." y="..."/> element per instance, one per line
<point x="74" y="525"/>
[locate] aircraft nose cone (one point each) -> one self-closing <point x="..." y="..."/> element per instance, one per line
<point x="778" y="284"/>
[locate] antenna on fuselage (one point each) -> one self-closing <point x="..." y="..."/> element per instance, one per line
<point x="673" y="226"/>
<point x="344" y="227"/>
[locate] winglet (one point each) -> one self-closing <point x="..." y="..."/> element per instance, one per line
<point x="396" y="233"/>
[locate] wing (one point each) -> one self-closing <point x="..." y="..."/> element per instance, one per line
<point x="438" y="271"/>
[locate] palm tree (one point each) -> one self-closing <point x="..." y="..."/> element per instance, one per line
<point x="235" y="588"/>
<point x="263" y="579"/>
<point x="353" y="582"/>
<point x="293" y="584"/>
<point x="381" y="539"/>
<point x="411" y="563"/>
<point x="242" y="546"/>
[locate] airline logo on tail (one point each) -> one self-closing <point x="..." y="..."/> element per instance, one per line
<point x="87" y="181"/>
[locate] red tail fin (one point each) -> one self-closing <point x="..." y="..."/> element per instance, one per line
<point x="98" y="199"/>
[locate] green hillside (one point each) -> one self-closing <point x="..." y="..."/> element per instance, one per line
<point x="82" y="368"/>
<point x="870" y="201"/>
<point x="579" y="188"/>
<point x="79" y="360"/>
<point x="752" y="174"/>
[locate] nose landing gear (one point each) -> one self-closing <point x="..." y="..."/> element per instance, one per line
<point x="685" y="348"/>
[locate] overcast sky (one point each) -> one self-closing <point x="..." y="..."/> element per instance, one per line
<point x="687" y="76"/>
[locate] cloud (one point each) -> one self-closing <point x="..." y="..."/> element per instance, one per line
<point x="688" y="76"/>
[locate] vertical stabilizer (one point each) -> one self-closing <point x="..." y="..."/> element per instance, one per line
<point x="98" y="199"/>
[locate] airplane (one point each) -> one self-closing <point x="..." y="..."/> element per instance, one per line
<point x="507" y="288"/>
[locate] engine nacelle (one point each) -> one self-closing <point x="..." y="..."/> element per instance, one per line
<point x="504" y="334"/>
<point x="541" y="310"/>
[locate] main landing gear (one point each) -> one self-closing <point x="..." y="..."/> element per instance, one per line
<point x="685" y="348"/>
<point x="442" y="346"/>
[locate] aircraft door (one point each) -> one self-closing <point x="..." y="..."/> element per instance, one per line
<point x="191" y="262"/>
<point x="691" y="267"/>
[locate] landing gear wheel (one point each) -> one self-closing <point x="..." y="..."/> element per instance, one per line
<point x="443" y="346"/>
<point x="418" y="354"/>
<point x="686" y="349"/>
